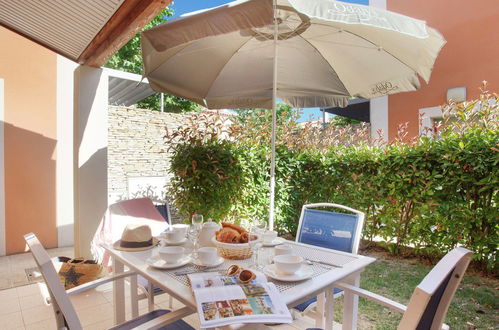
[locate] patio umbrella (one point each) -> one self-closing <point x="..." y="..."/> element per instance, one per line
<point x="307" y="53"/>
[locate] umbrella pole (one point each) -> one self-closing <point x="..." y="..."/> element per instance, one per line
<point x="274" y="124"/>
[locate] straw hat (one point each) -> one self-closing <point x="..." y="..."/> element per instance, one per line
<point x="136" y="238"/>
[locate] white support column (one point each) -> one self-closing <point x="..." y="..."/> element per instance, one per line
<point x="90" y="154"/>
<point x="64" y="164"/>
<point x="2" y="172"/>
<point x="379" y="117"/>
<point x="379" y="105"/>
<point x="378" y="3"/>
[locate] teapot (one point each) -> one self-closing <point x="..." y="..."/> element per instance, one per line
<point x="207" y="232"/>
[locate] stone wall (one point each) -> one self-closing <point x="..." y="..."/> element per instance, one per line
<point x="136" y="149"/>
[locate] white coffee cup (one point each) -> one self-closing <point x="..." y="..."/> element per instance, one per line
<point x="176" y="234"/>
<point x="269" y="236"/>
<point x="288" y="264"/>
<point x="207" y="255"/>
<point x="173" y="236"/>
<point x="180" y="227"/>
<point x="283" y="249"/>
<point x="171" y="254"/>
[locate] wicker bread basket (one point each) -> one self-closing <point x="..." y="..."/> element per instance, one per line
<point x="235" y="251"/>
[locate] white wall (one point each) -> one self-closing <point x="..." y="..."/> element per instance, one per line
<point x="427" y="116"/>
<point x="90" y="156"/>
<point x="2" y="172"/>
<point x="64" y="166"/>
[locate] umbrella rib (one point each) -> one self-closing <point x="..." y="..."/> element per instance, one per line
<point x="221" y="69"/>
<point x="329" y="64"/>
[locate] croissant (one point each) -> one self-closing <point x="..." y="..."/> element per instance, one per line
<point x="228" y="236"/>
<point x="239" y="229"/>
<point x="244" y="237"/>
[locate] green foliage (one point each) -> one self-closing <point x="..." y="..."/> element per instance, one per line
<point x="129" y="59"/>
<point x="284" y="113"/>
<point x="207" y="178"/>
<point x="432" y="193"/>
<point x="343" y="121"/>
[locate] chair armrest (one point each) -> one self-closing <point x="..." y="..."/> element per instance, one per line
<point x="372" y="296"/>
<point x="98" y="282"/>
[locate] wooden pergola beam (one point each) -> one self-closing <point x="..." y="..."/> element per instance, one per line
<point x="127" y="21"/>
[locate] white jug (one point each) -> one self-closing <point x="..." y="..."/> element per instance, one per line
<point x="207" y="232"/>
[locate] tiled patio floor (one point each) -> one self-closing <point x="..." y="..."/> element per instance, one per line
<point x="22" y="307"/>
<point x="12" y="268"/>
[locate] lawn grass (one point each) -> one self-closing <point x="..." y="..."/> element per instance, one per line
<point x="475" y="305"/>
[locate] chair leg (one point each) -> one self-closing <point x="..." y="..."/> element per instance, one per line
<point x="170" y="302"/>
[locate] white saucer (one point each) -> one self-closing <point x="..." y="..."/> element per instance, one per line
<point x="276" y="241"/>
<point x="174" y="243"/>
<point x="302" y="274"/>
<point x="157" y="262"/>
<point x="218" y="262"/>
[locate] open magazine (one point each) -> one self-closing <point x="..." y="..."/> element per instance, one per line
<point x="222" y="300"/>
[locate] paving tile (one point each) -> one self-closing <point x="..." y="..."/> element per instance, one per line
<point x="4" y="283"/>
<point x="48" y="324"/>
<point x="95" y="314"/>
<point x="28" y="290"/>
<point x="11" y="321"/>
<point x="106" y="324"/>
<point x="8" y="294"/>
<point x="37" y="314"/>
<point x="88" y="299"/>
<point x="9" y="305"/>
<point x="31" y="301"/>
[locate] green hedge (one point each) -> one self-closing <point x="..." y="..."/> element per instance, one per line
<point x="431" y="196"/>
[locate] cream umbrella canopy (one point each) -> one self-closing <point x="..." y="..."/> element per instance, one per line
<point x="308" y="53"/>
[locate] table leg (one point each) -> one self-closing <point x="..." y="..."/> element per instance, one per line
<point x="118" y="292"/>
<point x="319" y="318"/>
<point x="134" y="300"/>
<point x="351" y="304"/>
<point x="150" y="296"/>
<point x="329" y="308"/>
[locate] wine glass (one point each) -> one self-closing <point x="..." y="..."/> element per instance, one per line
<point x="256" y="230"/>
<point x="197" y="222"/>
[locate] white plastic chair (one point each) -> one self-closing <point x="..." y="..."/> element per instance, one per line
<point x="332" y="230"/>
<point x="65" y="314"/>
<point x="431" y="298"/>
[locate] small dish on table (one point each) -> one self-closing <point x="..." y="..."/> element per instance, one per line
<point x="159" y="263"/>
<point x="304" y="273"/>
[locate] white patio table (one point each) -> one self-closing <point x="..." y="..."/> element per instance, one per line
<point x="293" y="293"/>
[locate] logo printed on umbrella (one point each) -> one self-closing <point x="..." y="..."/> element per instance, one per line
<point x="383" y="88"/>
<point x="348" y="13"/>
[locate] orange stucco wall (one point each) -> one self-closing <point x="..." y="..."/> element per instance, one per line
<point x="470" y="56"/>
<point x="29" y="73"/>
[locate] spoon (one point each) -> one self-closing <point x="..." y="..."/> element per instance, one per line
<point x="309" y="261"/>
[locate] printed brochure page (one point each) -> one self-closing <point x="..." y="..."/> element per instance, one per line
<point x="222" y="300"/>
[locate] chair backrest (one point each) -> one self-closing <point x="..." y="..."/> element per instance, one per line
<point x="59" y="299"/>
<point x="431" y="298"/>
<point x="332" y="230"/>
<point x="116" y="218"/>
